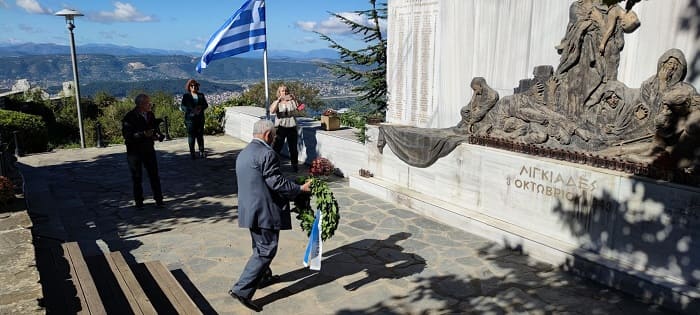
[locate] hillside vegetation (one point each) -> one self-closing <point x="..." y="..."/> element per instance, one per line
<point x="52" y="70"/>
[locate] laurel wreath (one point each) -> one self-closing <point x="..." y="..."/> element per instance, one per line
<point x="323" y="200"/>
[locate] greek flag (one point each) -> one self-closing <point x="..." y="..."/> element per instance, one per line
<point x="242" y="32"/>
<point x="314" y="250"/>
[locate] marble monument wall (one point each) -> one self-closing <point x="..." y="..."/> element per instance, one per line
<point x="563" y="213"/>
<point x="436" y="47"/>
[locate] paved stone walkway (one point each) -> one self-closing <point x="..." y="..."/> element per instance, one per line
<point x="384" y="259"/>
<point x="19" y="279"/>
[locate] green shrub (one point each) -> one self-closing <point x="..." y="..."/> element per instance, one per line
<point x="65" y="131"/>
<point x="111" y="120"/>
<point x="90" y="132"/>
<point x="214" y="120"/>
<point x="33" y="136"/>
<point x="176" y="119"/>
<point x="356" y="119"/>
<point x="353" y="118"/>
<point x="37" y="108"/>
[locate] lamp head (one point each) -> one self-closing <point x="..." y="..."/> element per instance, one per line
<point x="69" y="14"/>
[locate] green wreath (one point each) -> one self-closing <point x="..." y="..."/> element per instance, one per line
<point x="324" y="201"/>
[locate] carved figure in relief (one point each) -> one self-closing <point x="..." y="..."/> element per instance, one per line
<point x="590" y="50"/>
<point x="473" y="114"/>
<point x="520" y="117"/>
<point x="580" y="25"/>
<point x="671" y="70"/>
<point x="616" y="21"/>
<point x="673" y="109"/>
<point x="670" y="101"/>
<point x="611" y="114"/>
<point x="515" y="118"/>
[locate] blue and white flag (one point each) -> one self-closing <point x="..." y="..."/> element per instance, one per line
<point x="242" y="32"/>
<point x="314" y="250"/>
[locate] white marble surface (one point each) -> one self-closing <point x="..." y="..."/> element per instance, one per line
<point x="645" y="225"/>
<point x="502" y="41"/>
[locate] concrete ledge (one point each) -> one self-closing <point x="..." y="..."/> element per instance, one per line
<point x="341" y="146"/>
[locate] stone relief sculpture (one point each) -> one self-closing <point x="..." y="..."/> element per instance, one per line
<point x="665" y="112"/>
<point x="483" y="100"/>
<point x="590" y="50"/>
<point x="674" y="99"/>
<point x="582" y="106"/>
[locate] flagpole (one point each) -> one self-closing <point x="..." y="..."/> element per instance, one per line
<point x="267" y="92"/>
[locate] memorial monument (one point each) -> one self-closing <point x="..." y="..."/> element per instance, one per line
<point x="567" y="168"/>
<point x="581" y="111"/>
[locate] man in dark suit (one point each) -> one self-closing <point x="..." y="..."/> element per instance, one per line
<point x="139" y="129"/>
<point x="263" y="208"/>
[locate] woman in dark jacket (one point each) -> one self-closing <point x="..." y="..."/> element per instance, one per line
<point x="193" y="104"/>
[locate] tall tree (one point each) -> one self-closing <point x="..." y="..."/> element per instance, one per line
<point x="366" y="65"/>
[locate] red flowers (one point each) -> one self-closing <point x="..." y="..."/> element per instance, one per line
<point x="321" y="167"/>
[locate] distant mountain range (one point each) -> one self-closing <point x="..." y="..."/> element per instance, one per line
<point x="32" y="49"/>
<point x="120" y="69"/>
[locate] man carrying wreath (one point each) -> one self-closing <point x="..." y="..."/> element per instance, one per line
<point x="263" y="207"/>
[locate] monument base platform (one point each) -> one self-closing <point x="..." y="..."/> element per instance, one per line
<point x="659" y="290"/>
<point x="627" y="232"/>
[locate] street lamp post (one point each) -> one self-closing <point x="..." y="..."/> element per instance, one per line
<point x="70" y="15"/>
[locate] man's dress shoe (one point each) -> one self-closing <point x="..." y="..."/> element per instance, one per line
<point x="245" y="301"/>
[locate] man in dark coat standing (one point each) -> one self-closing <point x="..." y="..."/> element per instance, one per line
<point x="263" y="208"/>
<point x="139" y="129"/>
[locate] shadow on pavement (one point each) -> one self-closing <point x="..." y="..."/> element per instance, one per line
<point x="379" y="259"/>
<point x="91" y="201"/>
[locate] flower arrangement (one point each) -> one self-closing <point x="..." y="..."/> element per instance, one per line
<point x="324" y="201"/>
<point x="329" y="112"/>
<point x="7" y="190"/>
<point x="321" y="167"/>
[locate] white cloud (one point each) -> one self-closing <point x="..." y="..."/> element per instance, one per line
<point x="307" y="26"/>
<point x="123" y="12"/>
<point x="13" y="40"/>
<point x="333" y="25"/>
<point x="306" y="40"/>
<point x="28" y="28"/>
<point x="31" y="6"/>
<point x="112" y="34"/>
<point x="197" y="43"/>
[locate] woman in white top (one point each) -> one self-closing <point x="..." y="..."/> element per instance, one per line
<point x="285" y="107"/>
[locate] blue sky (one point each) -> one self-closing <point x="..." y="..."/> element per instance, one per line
<point x="172" y="24"/>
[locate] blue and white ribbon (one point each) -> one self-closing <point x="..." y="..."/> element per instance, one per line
<point x="314" y="250"/>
